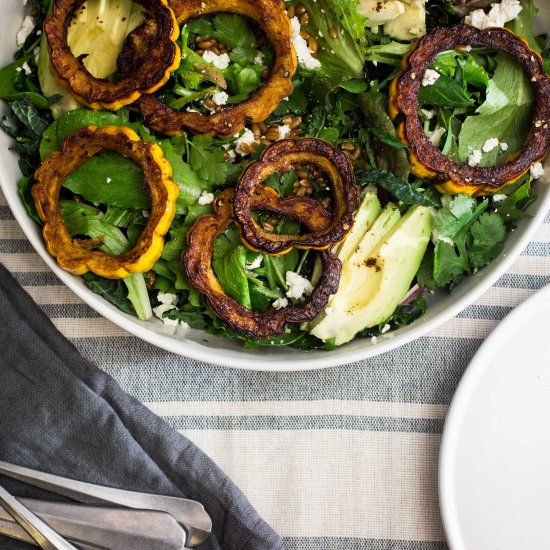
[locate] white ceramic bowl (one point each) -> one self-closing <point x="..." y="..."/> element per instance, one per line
<point x="204" y="347"/>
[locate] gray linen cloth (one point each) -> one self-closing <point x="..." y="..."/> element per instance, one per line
<point x="60" y="413"/>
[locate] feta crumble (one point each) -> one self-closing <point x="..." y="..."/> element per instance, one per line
<point x="280" y="303"/>
<point x="298" y="286"/>
<point x="385" y="328"/>
<point x="220" y="98"/>
<point x="206" y="198"/>
<point x="498" y="15"/>
<point x="168" y="302"/>
<point x="303" y="53"/>
<point x="436" y="135"/>
<point x="255" y="264"/>
<point x="490" y="144"/>
<point x="248" y="138"/>
<point x="26" y="28"/>
<point x="25" y="68"/>
<point x="108" y="180"/>
<point x="428" y="113"/>
<point x="259" y="59"/>
<point x="536" y="170"/>
<point x="219" y="61"/>
<point x="430" y="77"/>
<point x="474" y="158"/>
<point x="499" y="197"/>
<point x="503" y="146"/>
<point x="284" y="130"/>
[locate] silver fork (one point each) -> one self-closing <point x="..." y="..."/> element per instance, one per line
<point x="41" y="532"/>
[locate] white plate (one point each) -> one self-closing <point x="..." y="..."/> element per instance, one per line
<point x="494" y="476"/>
<point x="204" y="347"/>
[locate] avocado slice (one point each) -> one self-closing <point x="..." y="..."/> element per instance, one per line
<point x="377" y="275"/>
<point x="98" y="34"/>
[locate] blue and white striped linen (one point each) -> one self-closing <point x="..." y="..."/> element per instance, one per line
<point x="342" y="458"/>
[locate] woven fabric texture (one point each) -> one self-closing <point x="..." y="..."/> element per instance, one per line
<point x="342" y="458"/>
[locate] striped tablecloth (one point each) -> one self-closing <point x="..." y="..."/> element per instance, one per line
<point x="342" y="458"/>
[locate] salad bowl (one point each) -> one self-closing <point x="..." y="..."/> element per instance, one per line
<point x="205" y="347"/>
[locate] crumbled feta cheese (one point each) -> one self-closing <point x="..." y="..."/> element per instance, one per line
<point x="436" y="135"/>
<point x="503" y="146"/>
<point x="489" y="145"/>
<point x="280" y="303"/>
<point x="219" y="61"/>
<point x="498" y="198"/>
<point x="206" y="198"/>
<point x="298" y="286"/>
<point x="303" y="53"/>
<point x="168" y="302"/>
<point x="474" y="158"/>
<point x="373" y="340"/>
<point x="429" y="78"/>
<point x="220" y="98"/>
<point x="498" y="15"/>
<point x="191" y="110"/>
<point x="167" y="298"/>
<point x="428" y="113"/>
<point x="108" y="180"/>
<point x="284" y="130"/>
<point x="26" y="28"/>
<point x="247" y="138"/>
<point x="385" y="328"/>
<point x="255" y="264"/>
<point x="536" y="170"/>
<point x="259" y="59"/>
<point x="25" y="68"/>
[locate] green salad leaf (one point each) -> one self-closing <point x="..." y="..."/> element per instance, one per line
<point x="506" y="114"/>
<point x="342" y="56"/>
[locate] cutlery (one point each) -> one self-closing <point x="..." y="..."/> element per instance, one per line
<point x="189" y="513"/>
<point x="104" y="527"/>
<point x="41" y="532"/>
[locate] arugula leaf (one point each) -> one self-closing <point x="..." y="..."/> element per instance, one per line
<point x="398" y="187"/>
<point x="233" y="31"/>
<point x="25" y="186"/>
<point x="488" y="234"/>
<point x="513" y="207"/>
<point x="344" y="56"/>
<point x="390" y="54"/>
<point x="208" y="163"/>
<point x="506" y="114"/>
<point x="523" y="24"/>
<point x="445" y="92"/>
<point x="387" y="139"/>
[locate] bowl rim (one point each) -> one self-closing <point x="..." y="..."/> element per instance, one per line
<point x="259" y="360"/>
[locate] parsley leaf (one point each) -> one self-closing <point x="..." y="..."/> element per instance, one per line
<point x="208" y="163"/>
<point x="489" y="233"/>
<point x="234" y="32"/>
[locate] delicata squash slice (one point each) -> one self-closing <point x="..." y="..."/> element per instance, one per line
<point x="281" y="157"/>
<point x="271" y="18"/>
<point x="197" y="260"/>
<point x="164" y="56"/>
<point x="77" y="255"/>
<point x="429" y="162"/>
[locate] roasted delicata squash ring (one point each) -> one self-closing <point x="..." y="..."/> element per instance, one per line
<point x="76" y="255"/>
<point x="164" y="57"/>
<point x="426" y="160"/>
<point x="197" y="260"/>
<point x="280" y="157"/>
<point x="271" y="18"/>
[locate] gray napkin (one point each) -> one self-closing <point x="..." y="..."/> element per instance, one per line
<point x="60" y="413"/>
